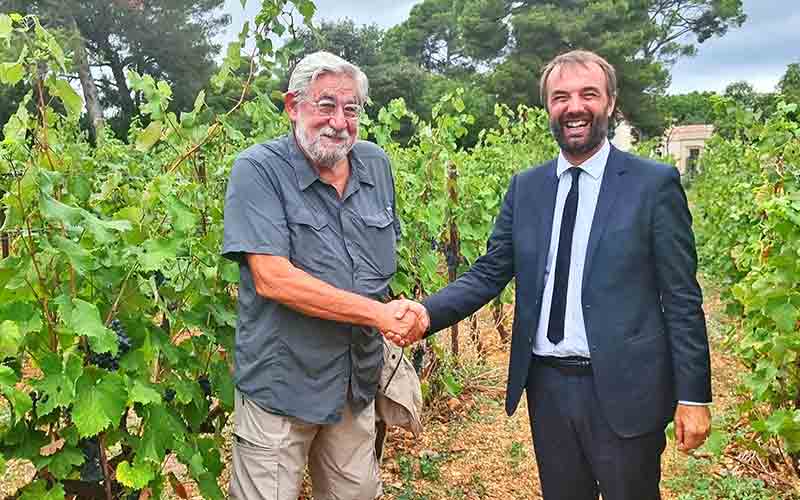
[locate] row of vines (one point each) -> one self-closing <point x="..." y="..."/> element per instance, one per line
<point x="117" y="314"/>
<point x="747" y="218"/>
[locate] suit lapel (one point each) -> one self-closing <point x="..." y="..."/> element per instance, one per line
<point x="547" y="205"/>
<point x="609" y="190"/>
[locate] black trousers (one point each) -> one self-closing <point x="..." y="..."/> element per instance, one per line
<point x="578" y="454"/>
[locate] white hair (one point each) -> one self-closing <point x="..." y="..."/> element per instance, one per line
<point x="318" y="63"/>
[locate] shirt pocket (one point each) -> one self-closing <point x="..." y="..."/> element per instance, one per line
<point x="380" y="243"/>
<point x="310" y="243"/>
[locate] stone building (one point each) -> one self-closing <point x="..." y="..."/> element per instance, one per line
<point x="685" y="143"/>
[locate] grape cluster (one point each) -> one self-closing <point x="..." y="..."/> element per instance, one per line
<point x="91" y="471"/>
<point x="106" y="359"/>
<point x="205" y="384"/>
<point x="169" y="395"/>
<point x="417" y="358"/>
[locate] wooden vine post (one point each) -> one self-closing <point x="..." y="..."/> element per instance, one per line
<point x="453" y="247"/>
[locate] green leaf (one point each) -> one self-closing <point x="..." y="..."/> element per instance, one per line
<point x="716" y="442"/>
<point x="149" y="136"/>
<point x="10" y="339"/>
<point x="85" y="320"/>
<point x="57" y="387"/>
<point x="79" y="257"/>
<point x="37" y="490"/>
<point x="60" y="212"/>
<point x="72" y="101"/>
<point x="6" y="26"/>
<point x="306" y="9"/>
<point x="7" y="377"/>
<point x="160" y="429"/>
<point x="785" y="316"/>
<point x="99" y="405"/>
<point x="144" y="393"/>
<point x="20" y="401"/>
<point x="16" y="129"/>
<point x="156" y="253"/>
<point x="11" y="73"/>
<point x="63" y="462"/>
<point x="135" y="477"/>
<point x="183" y="219"/>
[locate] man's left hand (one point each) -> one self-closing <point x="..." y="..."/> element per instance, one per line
<point x="692" y="426"/>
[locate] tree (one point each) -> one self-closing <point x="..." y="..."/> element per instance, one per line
<point x="694" y="108"/>
<point x="742" y="93"/>
<point x="167" y="40"/>
<point x="641" y="38"/>
<point x="789" y="84"/>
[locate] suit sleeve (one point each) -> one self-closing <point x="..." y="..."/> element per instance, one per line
<point x="487" y="277"/>
<point x="681" y="297"/>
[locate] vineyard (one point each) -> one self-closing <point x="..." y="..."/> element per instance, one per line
<point x="117" y="314"/>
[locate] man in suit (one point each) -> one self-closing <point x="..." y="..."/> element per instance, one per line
<point x="609" y="338"/>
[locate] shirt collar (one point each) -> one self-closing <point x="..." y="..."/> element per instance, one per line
<point x="307" y="175"/>
<point x="594" y="166"/>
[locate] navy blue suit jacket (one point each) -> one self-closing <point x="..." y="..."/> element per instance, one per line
<point x="642" y="304"/>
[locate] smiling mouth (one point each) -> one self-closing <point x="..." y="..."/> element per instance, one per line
<point x="576" y="123"/>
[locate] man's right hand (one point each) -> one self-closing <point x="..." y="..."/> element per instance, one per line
<point x="414" y="318"/>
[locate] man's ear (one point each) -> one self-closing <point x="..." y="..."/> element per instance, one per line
<point x="291" y="102"/>
<point x="612" y="102"/>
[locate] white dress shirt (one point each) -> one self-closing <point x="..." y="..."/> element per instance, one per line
<point x="574" y="342"/>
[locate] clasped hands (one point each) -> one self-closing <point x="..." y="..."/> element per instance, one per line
<point x="404" y="321"/>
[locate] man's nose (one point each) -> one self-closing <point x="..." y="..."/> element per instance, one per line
<point x="574" y="104"/>
<point x="337" y="119"/>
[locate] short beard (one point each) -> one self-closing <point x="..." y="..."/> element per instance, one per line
<point x="317" y="153"/>
<point x="597" y="134"/>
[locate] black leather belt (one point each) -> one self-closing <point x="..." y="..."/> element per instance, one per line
<point x="569" y="365"/>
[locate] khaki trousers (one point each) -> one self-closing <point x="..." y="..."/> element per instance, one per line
<point x="270" y="453"/>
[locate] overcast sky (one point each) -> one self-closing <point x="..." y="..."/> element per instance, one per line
<point x="758" y="52"/>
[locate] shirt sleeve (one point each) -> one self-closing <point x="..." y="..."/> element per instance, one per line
<point x="254" y="218"/>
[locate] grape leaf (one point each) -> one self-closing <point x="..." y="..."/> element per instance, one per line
<point x="11" y="73"/>
<point x="160" y="428"/>
<point x="144" y="393"/>
<point x="85" y="320"/>
<point x="10" y="338"/>
<point x="57" y="387"/>
<point x="136" y="477"/>
<point x="98" y="405"/>
<point x="37" y="490"/>
<point x="62" y="463"/>
<point x="149" y="136"/>
<point x="70" y="98"/>
<point x="6" y="26"/>
<point x="79" y="257"/>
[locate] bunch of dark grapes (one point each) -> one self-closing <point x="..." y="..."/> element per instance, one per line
<point x="205" y="384"/>
<point x="417" y="358"/>
<point x="91" y="471"/>
<point x="106" y="359"/>
<point x="169" y="395"/>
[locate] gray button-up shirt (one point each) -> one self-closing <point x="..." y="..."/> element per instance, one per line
<point x="289" y="363"/>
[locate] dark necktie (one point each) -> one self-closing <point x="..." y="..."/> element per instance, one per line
<point x="558" y="307"/>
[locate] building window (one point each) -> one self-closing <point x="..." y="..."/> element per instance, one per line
<point x="691" y="161"/>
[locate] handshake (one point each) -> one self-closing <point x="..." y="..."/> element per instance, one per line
<point x="403" y="321"/>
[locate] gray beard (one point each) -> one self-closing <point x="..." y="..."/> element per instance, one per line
<point x="596" y="136"/>
<point x="317" y="153"/>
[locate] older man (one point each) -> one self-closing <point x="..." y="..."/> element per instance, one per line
<point x="310" y="218"/>
<point x="609" y="338"/>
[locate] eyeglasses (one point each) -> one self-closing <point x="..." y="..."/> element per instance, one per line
<point x="327" y="107"/>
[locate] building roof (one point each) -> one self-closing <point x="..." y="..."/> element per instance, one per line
<point x="689" y="132"/>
